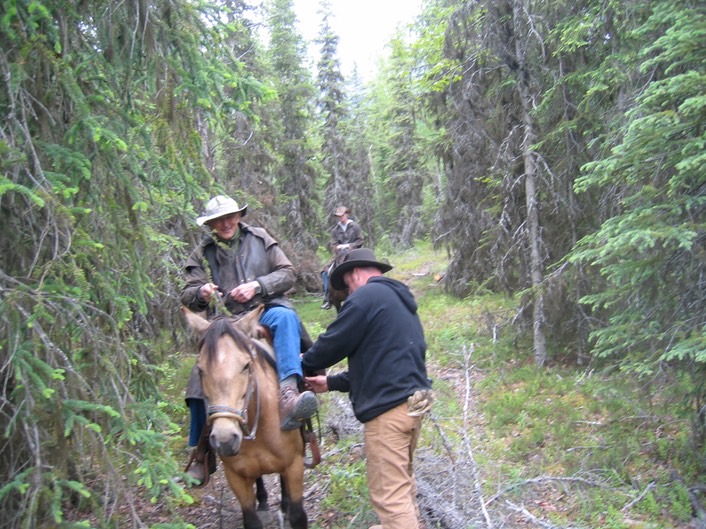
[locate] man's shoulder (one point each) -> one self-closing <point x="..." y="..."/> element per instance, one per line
<point x="200" y="248"/>
<point x="260" y="233"/>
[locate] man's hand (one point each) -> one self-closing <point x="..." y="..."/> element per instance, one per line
<point x="317" y="384"/>
<point x="420" y="402"/>
<point x="207" y="291"/>
<point x="245" y="292"/>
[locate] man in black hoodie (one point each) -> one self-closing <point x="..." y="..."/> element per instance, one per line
<point x="380" y="333"/>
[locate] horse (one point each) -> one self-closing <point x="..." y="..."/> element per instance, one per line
<point x="243" y="409"/>
<point x="337" y="297"/>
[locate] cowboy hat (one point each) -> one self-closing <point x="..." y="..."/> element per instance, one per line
<point x="358" y="258"/>
<point x="220" y="206"/>
<point x="341" y="210"/>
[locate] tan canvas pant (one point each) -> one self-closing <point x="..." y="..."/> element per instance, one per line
<point x="390" y="441"/>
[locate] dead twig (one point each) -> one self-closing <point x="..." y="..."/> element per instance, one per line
<point x="639" y="498"/>
<point x="467" y="353"/>
<point x="532" y="517"/>
<point x="543" y="479"/>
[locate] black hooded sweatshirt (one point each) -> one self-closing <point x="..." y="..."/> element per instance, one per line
<point x="379" y="331"/>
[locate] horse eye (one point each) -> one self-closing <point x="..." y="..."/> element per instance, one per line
<point x="246" y="367"/>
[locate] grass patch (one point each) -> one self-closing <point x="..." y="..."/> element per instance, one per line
<point x="560" y="422"/>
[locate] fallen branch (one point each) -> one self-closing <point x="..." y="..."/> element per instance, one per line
<point x="639" y="498"/>
<point x="437" y="507"/>
<point x="543" y="479"/>
<point x="466" y="405"/>
<point x="532" y="517"/>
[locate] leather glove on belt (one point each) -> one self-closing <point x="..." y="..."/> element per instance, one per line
<point x="420" y="402"/>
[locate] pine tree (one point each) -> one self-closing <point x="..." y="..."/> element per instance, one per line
<point x="102" y="163"/>
<point x="336" y="156"/>
<point x="513" y="91"/>
<point x="650" y="251"/>
<point x="296" y="172"/>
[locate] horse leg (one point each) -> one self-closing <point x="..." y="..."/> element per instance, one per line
<point x="243" y="490"/>
<point x="293" y="486"/>
<point x="261" y="495"/>
<point x="251" y="520"/>
<point x="284" y="505"/>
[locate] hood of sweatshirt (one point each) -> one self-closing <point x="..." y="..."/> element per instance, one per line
<point x="400" y="289"/>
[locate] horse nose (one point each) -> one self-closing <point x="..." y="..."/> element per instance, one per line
<point x="225" y="444"/>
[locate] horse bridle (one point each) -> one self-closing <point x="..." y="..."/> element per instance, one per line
<point x="219" y="411"/>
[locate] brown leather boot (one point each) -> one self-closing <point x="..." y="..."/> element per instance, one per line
<point x="196" y="468"/>
<point x="295" y="407"/>
<point x="201" y="456"/>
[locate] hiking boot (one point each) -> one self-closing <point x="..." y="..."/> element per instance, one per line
<point x="295" y="408"/>
<point x="196" y="468"/>
<point x="326" y="305"/>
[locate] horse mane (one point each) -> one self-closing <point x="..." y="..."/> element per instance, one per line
<point x="219" y="327"/>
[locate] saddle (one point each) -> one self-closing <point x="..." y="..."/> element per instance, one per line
<point x="307" y="430"/>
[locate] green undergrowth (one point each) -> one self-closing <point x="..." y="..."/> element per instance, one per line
<point x="602" y="435"/>
<point x="580" y="447"/>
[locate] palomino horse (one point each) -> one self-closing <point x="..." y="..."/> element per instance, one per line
<point x="243" y="408"/>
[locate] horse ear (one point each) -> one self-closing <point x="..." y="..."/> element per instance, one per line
<point x="250" y="323"/>
<point x="196" y="322"/>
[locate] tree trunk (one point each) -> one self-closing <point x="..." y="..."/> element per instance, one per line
<point x="531" y="193"/>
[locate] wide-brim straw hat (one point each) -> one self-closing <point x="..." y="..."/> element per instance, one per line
<point x="341" y="210"/>
<point x="358" y="258"/>
<point x="220" y="206"/>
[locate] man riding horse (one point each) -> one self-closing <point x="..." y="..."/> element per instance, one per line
<point x="234" y="269"/>
<point x="345" y="236"/>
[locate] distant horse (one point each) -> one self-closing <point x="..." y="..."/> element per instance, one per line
<point x="243" y="409"/>
<point x="337" y="297"/>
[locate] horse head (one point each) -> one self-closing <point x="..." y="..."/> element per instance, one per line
<point x="226" y="358"/>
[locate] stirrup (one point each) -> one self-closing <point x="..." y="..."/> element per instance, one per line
<point x="310" y="461"/>
<point x="209" y="466"/>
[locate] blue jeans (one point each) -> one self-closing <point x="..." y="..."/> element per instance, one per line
<point x="285" y="327"/>
<point x="197" y="407"/>
<point x="286" y="334"/>
<point x="324" y="278"/>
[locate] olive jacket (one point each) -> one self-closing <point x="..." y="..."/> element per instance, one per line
<point x="253" y="255"/>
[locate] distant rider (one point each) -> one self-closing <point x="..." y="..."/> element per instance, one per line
<point x="345" y="236"/>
